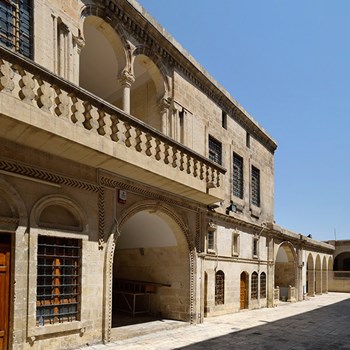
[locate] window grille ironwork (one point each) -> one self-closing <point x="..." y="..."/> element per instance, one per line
<point x="255" y="186"/>
<point x="237" y="176"/>
<point x="16" y="25"/>
<point x="254" y="286"/>
<point x="219" y="288"/>
<point x="215" y="150"/>
<point x="58" y="280"/>
<point x="263" y="285"/>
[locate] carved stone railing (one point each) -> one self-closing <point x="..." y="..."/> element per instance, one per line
<point x="61" y="100"/>
<point x="292" y="297"/>
<point x="276" y="294"/>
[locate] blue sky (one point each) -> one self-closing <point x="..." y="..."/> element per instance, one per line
<point x="288" y="64"/>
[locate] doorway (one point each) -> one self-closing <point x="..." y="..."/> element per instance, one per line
<point x="244" y="291"/>
<point x="5" y="279"/>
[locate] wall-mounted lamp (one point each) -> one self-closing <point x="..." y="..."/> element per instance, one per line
<point x="231" y="208"/>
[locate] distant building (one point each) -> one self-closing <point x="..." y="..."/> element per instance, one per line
<point x="130" y="182"/>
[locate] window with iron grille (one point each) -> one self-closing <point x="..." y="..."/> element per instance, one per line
<point x="254" y="284"/>
<point x="215" y="153"/>
<point x="263" y="285"/>
<point x="219" y="288"/>
<point x="255" y="186"/>
<point x="58" y="280"/>
<point x="16" y="25"/>
<point x="237" y="176"/>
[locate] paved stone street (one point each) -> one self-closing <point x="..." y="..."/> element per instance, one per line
<point x="322" y="322"/>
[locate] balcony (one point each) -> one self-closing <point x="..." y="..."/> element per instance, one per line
<point x="41" y="110"/>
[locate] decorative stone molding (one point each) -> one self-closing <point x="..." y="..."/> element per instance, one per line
<point x="36" y="173"/>
<point x="126" y="79"/>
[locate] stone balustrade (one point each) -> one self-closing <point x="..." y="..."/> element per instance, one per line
<point x="86" y="114"/>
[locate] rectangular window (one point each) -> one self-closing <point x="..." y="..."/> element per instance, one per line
<point x="235" y="244"/>
<point x="247" y="140"/>
<point x="58" y="280"/>
<point x="237" y="176"/>
<point x="210" y="240"/>
<point x="255" y="247"/>
<point x="255" y="186"/>
<point x="215" y="150"/>
<point x="224" y="120"/>
<point x="16" y="25"/>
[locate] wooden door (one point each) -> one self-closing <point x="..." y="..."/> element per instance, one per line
<point x="243" y="291"/>
<point x="5" y="255"/>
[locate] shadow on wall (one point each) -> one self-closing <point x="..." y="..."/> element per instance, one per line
<point x="324" y="328"/>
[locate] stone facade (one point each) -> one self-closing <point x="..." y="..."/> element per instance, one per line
<point x="126" y="171"/>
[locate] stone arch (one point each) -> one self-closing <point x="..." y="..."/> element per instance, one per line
<point x="342" y="261"/>
<point x="149" y="93"/>
<point x="285" y="268"/>
<point x="100" y="36"/>
<point x="318" y="275"/>
<point x="310" y="276"/>
<point x="163" y="84"/>
<point x="58" y="212"/>
<point x="112" y="242"/>
<point x="324" y="276"/>
<point x="244" y="290"/>
<point x="14" y="213"/>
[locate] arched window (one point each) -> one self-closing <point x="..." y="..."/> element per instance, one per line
<point x="219" y="288"/>
<point x="263" y="285"/>
<point x="254" y="291"/>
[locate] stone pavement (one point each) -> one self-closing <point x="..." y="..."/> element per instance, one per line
<point x="322" y="322"/>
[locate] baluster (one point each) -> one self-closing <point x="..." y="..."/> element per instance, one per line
<point x="195" y="167"/>
<point x="174" y="163"/>
<point x="27" y="85"/>
<point x="114" y="128"/>
<point x="148" y="144"/>
<point x="182" y="162"/>
<point x="158" y="150"/>
<point x="62" y="103"/>
<point x="166" y="153"/>
<point x="6" y="76"/>
<point x="127" y="134"/>
<point x="138" y="140"/>
<point x="45" y="94"/>
<point x="78" y="111"/>
<point x="91" y="117"/>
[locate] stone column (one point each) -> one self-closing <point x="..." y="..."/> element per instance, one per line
<point x="164" y="107"/>
<point x="126" y="80"/>
<point x="78" y="45"/>
<point x="270" y="272"/>
<point x="299" y="281"/>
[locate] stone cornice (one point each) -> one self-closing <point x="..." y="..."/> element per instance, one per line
<point x="147" y="31"/>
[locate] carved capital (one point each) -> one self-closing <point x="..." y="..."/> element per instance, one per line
<point x="164" y="105"/>
<point x="126" y="79"/>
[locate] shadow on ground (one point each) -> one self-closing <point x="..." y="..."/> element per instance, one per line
<point x="325" y="328"/>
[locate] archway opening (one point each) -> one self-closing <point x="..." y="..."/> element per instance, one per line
<point x="285" y="271"/>
<point x="151" y="271"/>
<point x="342" y="262"/>
<point x="101" y="60"/>
<point x="244" y="290"/>
<point x="147" y="91"/>
<point x="310" y="276"/>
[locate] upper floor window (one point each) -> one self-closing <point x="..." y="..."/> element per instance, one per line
<point x="16" y="25"/>
<point x="237" y="176"/>
<point x="211" y="237"/>
<point x="224" y="120"/>
<point x="255" y="186"/>
<point x="215" y="150"/>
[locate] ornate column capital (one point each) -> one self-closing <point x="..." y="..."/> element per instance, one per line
<point x="126" y="79"/>
<point x="164" y="105"/>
